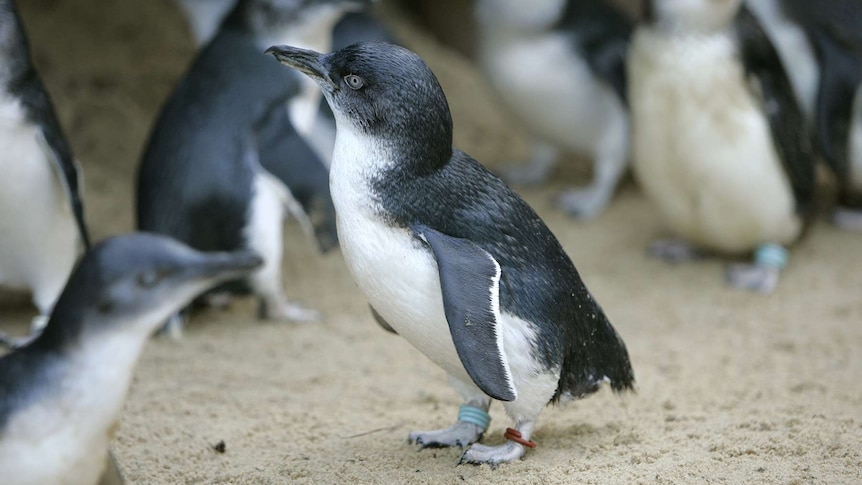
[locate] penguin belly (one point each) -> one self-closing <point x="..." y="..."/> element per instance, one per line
<point x="703" y="148"/>
<point x="569" y="107"/>
<point x="38" y="235"/>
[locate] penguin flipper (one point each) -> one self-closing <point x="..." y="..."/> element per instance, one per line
<point x="40" y="111"/>
<point x="469" y="279"/>
<point x="786" y="120"/>
<point x="381" y="321"/>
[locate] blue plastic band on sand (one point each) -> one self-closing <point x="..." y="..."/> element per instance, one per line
<point x="474" y="415"/>
<point x="771" y="255"/>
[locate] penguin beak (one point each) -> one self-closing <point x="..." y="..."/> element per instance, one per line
<point x="305" y="61"/>
<point x="222" y="266"/>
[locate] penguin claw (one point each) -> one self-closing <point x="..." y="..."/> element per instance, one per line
<point x="460" y="434"/>
<point x="848" y="219"/>
<point x="762" y="279"/>
<point x="286" y="311"/>
<point x="586" y="203"/>
<point x="675" y="251"/>
<point x="493" y="455"/>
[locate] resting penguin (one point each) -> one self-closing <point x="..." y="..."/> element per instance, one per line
<point x="61" y="395"/>
<point x="719" y="141"/>
<point x="223" y="162"/>
<point x="450" y="257"/>
<point x="834" y="28"/>
<point x="42" y="229"/>
<point x="559" y="66"/>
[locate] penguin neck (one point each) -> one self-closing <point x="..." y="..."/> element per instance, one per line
<point x="360" y="161"/>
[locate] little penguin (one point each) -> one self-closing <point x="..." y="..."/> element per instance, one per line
<point x="559" y="66"/>
<point x="720" y="144"/>
<point x="452" y="259"/>
<point x="834" y="28"/>
<point x="42" y="227"/>
<point x="224" y="162"/>
<point x="61" y="395"/>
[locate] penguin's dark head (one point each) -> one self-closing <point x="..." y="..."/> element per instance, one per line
<point x="131" y="284"/>
<point x="692" y="15"/>
<point x="382" y="91"/>
<point x="13" y="43"/>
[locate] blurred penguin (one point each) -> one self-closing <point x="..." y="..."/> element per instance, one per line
<point x="834" y="28"/>
<point x="62" y="394"/>
<point x="318" y="132"/>
<point x="224" y="162"/>
<point x="559" y="66"/>
<point x="42" y="229"/>
<point x="719" y="141"/>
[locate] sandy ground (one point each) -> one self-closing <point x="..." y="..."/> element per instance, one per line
<point x="732" y="387"/>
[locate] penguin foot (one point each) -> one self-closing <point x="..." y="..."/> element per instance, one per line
<point x="493" y="455"/>
<point x="527" y="174"/>
<point x="848" y="219"/>
<point x="13" y="343"/>
<point x="675" y="251"/>
<point x="460" y="434"/>
<point x="754" y="277"/>
<point x="287" y="311"/>
<point x="173" y="328"/>
<point x="584" y="203"/>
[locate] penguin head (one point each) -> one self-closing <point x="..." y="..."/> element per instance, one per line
<point x="536" y="15"/>
<point x="133" y="283"/>
<point x="382" y="91"/>
<point x="270" y="20"/>
<point x="692" y="15"/>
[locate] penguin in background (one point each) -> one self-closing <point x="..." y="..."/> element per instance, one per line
<point x="205" y="16"/>
<point x="218" y="172"/>
<point x="452" y="259"/>
<point x="559" y="66"/>
<point x="834" y="28"/>
<point x="720" y="144"/>
<point x="42" y="227"/>
<point x="61" y="395"/>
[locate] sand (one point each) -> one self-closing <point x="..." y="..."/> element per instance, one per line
<point x="732" y="387"/>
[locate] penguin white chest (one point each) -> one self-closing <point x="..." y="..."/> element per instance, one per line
<point x="38" y="236"/>
<point x="703" y="149"/>
<point x="63" y="437"/>
<point x="392" y="268"/>
<point x="569" y="107"/>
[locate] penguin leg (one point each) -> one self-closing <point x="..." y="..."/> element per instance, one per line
<point x="761" y="275"/>
<point x="173" y="328"/>
<point x="264" y="236"/>
<point x="848" y="219"/>
<point x="543" y="158"/>
<point x="675" y="250"/>
<point x="465" y="431"/>
<point x="515" y="447"/>
<point x="610" y="159"/>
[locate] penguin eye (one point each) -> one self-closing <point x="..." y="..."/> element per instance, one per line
<point x="353" y="81"/>
<point x="148" y="279"/>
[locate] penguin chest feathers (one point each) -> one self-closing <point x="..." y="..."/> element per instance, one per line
<point x="399" y="275"/>
<point x="703" y="149"/>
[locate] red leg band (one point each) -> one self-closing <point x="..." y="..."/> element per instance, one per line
<point x="515" y="435"/>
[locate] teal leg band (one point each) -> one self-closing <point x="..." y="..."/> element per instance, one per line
<point x="474" y="415"/>
<point x="771" y="256"/>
